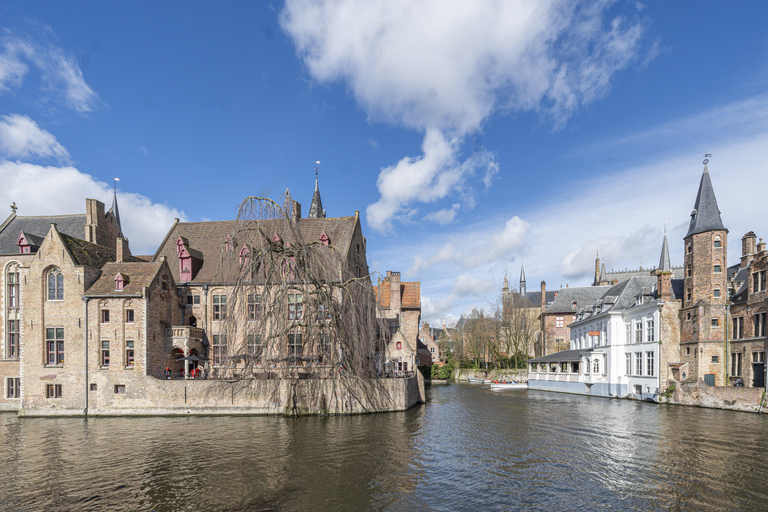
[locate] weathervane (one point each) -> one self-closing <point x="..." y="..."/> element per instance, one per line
<point x="707" y="156"/>
<point x="317" y="168"/>
<point x="116" y="180"/>
<point x="14" y="207"/>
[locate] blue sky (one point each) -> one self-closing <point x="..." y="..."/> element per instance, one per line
<point x="471" y="136"/>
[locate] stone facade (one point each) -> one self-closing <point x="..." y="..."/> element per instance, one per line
<point x="400" y="307"/>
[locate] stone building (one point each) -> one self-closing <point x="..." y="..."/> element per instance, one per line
<point x="428" y="346"/>
<point x="560" y="313"/>
<point x="523" y="315"/>
<point x="748" y="312"/>
<point x="400" y="307"/>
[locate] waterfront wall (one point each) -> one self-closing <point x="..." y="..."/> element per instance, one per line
<point x="717" y="397"/>
<point x="149" y="396"/>
<point x="520" y="375"/>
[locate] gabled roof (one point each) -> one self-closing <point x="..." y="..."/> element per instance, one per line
<point x="137" y="274"/>
<point x="87" y="254"/>
<point x="73" y="225"/>
<point x="564" y="356"/>
<point x="583" y="295"/>
<point x="410" y="294"/>
<point x="706" y="214"/>
<point x="208" y="238"/>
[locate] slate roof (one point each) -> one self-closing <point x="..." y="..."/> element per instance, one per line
<point x="583" y="295"/>
<point x="88" y="254"/>
<point x="316" y="207"/>
<point x="706" y="214"/>
<point x="138" y="274"/>
<point x="664" y="263"/>
<point x="73" y="225"/>
<point x="534" y="298"/>
<point x="623" y="275"/>
<point x="564" y="356"/>
<point x="209" y="237"/>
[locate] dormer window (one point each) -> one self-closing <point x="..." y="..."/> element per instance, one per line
<point x="245" y="254"/>
<point x="639" y="300"/>
<point x="324" y="239"/>
<point x="119" y="282"/>
<point x="228" y="244"/>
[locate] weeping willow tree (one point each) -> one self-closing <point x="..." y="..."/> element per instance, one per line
<point x="301" y="327"/>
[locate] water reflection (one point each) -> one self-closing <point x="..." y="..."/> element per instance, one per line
<point x="468" y="449"/>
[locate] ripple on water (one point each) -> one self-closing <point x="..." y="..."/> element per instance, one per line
<point x="468" y="449"/>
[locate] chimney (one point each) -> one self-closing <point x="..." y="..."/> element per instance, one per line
<point x="664" y="285"/>
<point x="94" y="217"/>
<point x="394" y="294"/>
<point x="761" y="247"/>
<point x="122" y="250"/>
<point x="748" y="248"/>
<point x="296" y="211"/>
<point x="543" y="295"/>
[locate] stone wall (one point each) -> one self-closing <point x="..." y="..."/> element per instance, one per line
<point x="148" y="396"/>
<point x="520" y="375"/>
<point x="718" y="397"/>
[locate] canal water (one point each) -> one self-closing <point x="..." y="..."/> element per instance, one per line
<point x="469" y="448"/>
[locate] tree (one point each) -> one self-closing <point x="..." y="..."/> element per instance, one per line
<point x="302" y="327"/>
<point x="519" y="326"/>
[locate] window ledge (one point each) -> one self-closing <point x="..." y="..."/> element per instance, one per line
<point x="129" y="367"/>
<point x="53" y="365"/>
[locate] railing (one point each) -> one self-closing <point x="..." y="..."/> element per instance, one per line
<point x="556" y="377"/>
<point x="185" y="331"/>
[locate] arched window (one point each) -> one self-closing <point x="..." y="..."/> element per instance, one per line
<point x="689" y="270"/>
<point x="596" y="366"/>
<point x="399" y="346"/>
<point x="55" y="285"/>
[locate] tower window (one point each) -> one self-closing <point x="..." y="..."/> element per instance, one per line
<point x="717" y="269"/>
<point x="717" y="242"/>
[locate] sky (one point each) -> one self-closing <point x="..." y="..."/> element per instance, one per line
<point x="473" y="137"/>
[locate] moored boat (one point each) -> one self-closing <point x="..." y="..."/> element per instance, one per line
<point x="509" y="385"/>
<point x="474" y="380"/>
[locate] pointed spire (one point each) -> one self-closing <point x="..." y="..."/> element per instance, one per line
<point x="506" y="282"/>
<point x="664" y="264"/>
<point x="316" y="210"/>
<point x="705" y="215"/>
<point x="522" y="279"/>
<point x="114" y="208"/>
<point x="602" y="271"/>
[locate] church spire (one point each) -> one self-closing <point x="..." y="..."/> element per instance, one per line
<point x="114" y="208"/>
<point x="705" y="215"/>
<point x="316" y="210"/>
<point x="664" y="264"/>
<point x="522" y="279"/>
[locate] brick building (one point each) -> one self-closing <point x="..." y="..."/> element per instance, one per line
<point x="400" y="306"/>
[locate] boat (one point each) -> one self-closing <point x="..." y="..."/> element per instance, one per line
<point x="474" y="380"/>
<point x="509" y="385"/>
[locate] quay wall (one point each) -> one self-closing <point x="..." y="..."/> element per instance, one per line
<point x="717" y="397"/>
<point x="519" y="375"/>
<point x="148" y="396"/>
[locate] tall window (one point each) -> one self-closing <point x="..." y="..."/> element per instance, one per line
<point x="104" y="353"/>
<point x="295" y="348"/>
<point x="558" y="321"/>
<point x="628" y="328"/>
<point x="55" y="285"/>
<point x="326" y="348"/>
<point x="628" y="359"/>
<point x="129" y="354"/>
<point x="219" y="307"/>
<point x="638" y="363"/>
<point x="254" y="345"/>
<point x="596" y="366"/>
<point x="649" y="329"/>
<point x="13" y="387"/>
<point x="295" y="306"/>
<point x="649" y="364"/>
<point x="758" y="281"/>
<point x="717" y="242"/>
<point x="129" y="316"/>
<point x="323" y="313"/>
<point x="254" y="306"/>
<point x="54" y="340"/>
<point x="738" y="327"/>
<point x="736" y="364"/>
<point x="12" y="350"/>
<point x="639" y="331"/>
<point x="759" y="320"/>
<point x="219" y="348"/>
<point x="105" y="316"/>
<point x="13" y="289"/>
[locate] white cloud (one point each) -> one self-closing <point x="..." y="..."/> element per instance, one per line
<point x="427" y="178"/>
<point x="445" y="216"/>
<point x="21" y="137"/>
<point x="60" y="76"/>
<point x="442" y="67"/>
<point x="144" y="151"/>
<point x="41" y="190"/>
<point x="467" y="285"/>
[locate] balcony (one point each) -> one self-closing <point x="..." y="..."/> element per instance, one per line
<point x="185" y="331"/>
